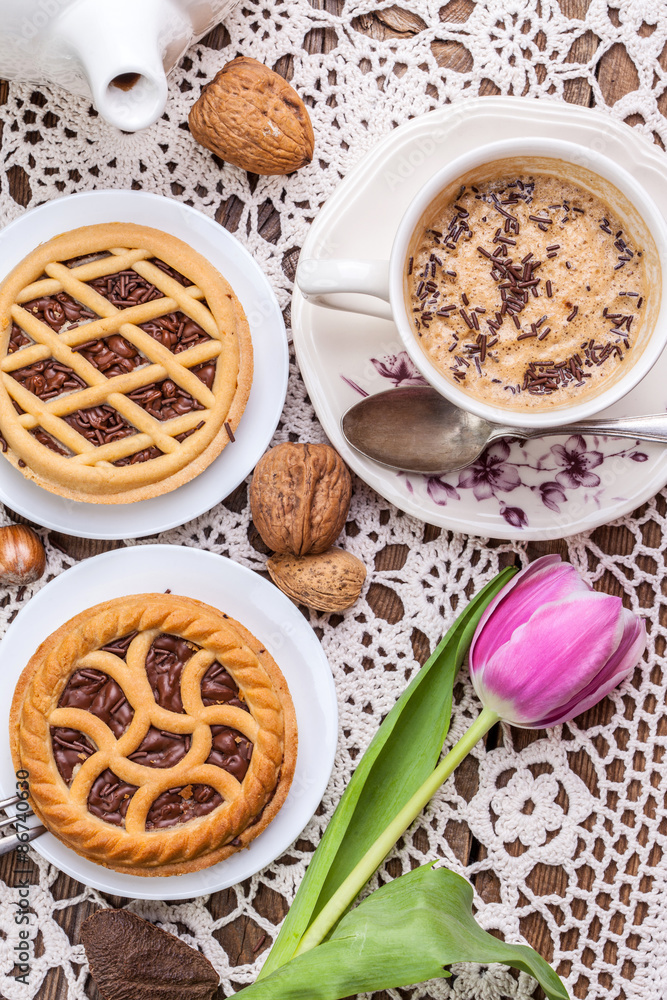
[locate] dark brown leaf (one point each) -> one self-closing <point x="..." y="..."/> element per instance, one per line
<point x="131" y="959"/>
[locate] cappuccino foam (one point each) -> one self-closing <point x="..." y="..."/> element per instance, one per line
<point x="527" y="289"/>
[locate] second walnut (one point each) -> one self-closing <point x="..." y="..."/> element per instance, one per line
<point x="300" y="497"/>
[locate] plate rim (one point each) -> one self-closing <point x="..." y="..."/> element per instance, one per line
<point x="322" y="682"/>
<point x="51" y="522"/>
<point x="316" y="244"/>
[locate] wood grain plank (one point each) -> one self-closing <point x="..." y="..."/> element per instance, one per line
<point x="579" y="90"/>
<point x="617" y="74"/>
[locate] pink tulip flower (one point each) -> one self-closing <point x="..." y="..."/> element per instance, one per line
<point x="548" y="646"/>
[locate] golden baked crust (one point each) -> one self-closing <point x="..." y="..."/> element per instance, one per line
<point x="248" y="805"/>
<point x="53" y="438"/>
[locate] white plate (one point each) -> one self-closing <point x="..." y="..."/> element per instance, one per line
<point x="269" y="387"/>
<point x="268" y="614"/>
<point x="546" y="488"/>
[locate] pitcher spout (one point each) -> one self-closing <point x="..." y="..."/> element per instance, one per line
<point x="119" y="47"/>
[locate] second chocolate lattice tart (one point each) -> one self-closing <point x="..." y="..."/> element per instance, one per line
<point x="125" y="364"/>
<point x="159" y="734"/>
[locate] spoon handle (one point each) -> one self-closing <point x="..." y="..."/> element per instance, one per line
<point x="651" y="427"/>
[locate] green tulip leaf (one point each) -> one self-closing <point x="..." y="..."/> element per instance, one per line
<point x="401" y="756"/>
<point x="406" y="932"/>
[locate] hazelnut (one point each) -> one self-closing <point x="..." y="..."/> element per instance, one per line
<point x="22" y="556"/>
<point x="250" y="116"/>
<point x="300" y="497"/>
<point x="328" y="582"/>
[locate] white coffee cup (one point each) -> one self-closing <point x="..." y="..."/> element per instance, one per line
<point x="384" y="282"/>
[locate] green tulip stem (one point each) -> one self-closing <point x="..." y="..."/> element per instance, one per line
<point x="360" y="874"/>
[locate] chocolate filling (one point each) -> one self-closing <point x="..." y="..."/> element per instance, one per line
<point x="112" y="356"/>
<point x="176" y="331"/>
<point x="205" y="372"/>
<point x="48" y="379"/>
<point x="164" y="665"/>
<point x="86" y="258"/>
<point x="70" y="749"/>
<point x="178" y="805"/>
<point x="164" y="400"/>
<point x="186" y="434"/>
<point x="180" y="278"/>
<point x="48" y="441"/>
<point x="218" y="688"/>
<point x="96" y="692"/>
<point x="125" y="289"/>
<point x="109" y="798"/>
<point x="230" y="750"/>
<point x="139" y="456"/>
<point x="161" y="749"/>
<point x="17" y="338"/>
<point x="119" y="647"/>
<point x="100" y="424"/>
<point x="58" y="310"/>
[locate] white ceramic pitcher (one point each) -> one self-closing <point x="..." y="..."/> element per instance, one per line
<point x="116" y="51"/>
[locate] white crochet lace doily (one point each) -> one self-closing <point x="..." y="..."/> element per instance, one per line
<point x="562" y="833"/>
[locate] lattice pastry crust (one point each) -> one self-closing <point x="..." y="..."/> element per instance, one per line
<point x="112" y="403"/>
<point x="261" y="714"/>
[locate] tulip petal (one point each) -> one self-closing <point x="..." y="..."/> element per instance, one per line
<point x="616" y="669"/>
<point x="546" y="580"/>
<point x="550" y="658"/>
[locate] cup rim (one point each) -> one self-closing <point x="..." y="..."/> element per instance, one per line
<point x="557" y="149"/>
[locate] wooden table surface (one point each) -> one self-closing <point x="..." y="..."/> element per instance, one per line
<point x="243" y="939"/>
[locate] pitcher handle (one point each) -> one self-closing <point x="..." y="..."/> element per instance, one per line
<point x="320" y="281"/>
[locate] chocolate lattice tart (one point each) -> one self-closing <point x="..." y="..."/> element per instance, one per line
<point x="159" y="734"/>
<point x="125" y="364"/>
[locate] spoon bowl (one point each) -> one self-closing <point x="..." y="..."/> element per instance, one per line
<point x="415" y="429"/>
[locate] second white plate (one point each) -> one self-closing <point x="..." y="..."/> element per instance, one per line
<point x="267" y="613"/>
<point x="267" y="396"/>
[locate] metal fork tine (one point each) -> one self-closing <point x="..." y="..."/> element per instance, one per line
<point x="8" y="844"/>
<point x="14" y="819"/>
<point x="11" y="801"/>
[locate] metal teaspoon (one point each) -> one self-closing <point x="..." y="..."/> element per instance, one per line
<point x="415" y="429"/>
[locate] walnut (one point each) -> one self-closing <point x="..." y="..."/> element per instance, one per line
<point x="250" y="116"/>
<point x="328" y="582"/>
<point x="300" y="497"/>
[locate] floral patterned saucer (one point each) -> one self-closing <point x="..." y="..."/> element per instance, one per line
<point x="539" y="489"/>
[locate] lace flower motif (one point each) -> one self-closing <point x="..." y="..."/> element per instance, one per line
<point x="527" y="809"/>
